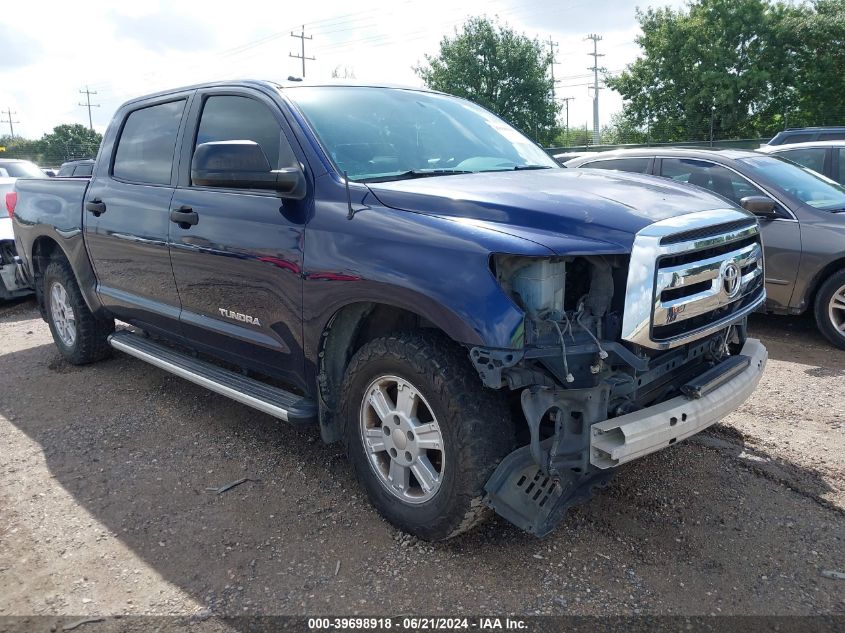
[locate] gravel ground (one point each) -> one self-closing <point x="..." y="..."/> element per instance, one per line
<point x="104" y="473"/>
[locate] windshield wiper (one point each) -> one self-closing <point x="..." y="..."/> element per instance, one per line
<point x="415" y="173"/>
<point x="521" y="167"/>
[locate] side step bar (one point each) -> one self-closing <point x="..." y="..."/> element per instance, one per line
<point x="253" y="393"/>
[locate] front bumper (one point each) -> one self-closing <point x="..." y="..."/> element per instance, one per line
<point x="614" y="442"/>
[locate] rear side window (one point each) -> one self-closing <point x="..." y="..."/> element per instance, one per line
<point x="718" y="179"/>
<point x="797" y="138"/>
<point x="840" y="177"/>
<point x="145" y="149"/>
<point x="67" y="170"/>
<point x="83" y="170"/>
<point x="832" y="136"/>
<point x="809" y="157"/>
<point x="232" y="118"/>
<point x="635" y="165"/>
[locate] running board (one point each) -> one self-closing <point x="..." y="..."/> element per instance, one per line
<point x="253" y="393"/>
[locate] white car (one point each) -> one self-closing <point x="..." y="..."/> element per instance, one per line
<point x="12" y="284"/>
<point x="824" y="157"/>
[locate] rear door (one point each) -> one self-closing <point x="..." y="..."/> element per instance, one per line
<point x="781" y="236"/>
<point x="238" y="269"/>
<point x="126" y="218"/>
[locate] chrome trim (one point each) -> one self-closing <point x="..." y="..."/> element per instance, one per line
<point x="642" y="300"/>
<point x="211" y="385"/>
<point x="714" y="270"/>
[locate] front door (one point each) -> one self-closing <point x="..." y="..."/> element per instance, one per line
<point x="238" y="269"/>
<point x="126" y="218"/>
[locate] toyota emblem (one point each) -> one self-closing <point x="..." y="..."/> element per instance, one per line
<point x="731" y="280"/>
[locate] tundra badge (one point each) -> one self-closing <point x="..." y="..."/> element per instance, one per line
<point x="237" y="316"/>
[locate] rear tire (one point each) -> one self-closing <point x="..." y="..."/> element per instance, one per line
<point x="80" y="336"/>
<point x="424" y="456"/>
<point x="830" y="309"/>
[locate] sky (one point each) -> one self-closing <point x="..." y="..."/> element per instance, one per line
<point x="50" y="50"/>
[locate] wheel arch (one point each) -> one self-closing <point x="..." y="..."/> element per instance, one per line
<point x="349" y="328"/>
<point x="820" y="277"/>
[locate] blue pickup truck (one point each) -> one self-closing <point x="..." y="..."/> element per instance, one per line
<point x="410" y="274"/>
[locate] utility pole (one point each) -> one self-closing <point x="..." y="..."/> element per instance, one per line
<point x="88" y="104"/>
<point x="10" y="121"/>
<point x="566" y="101"/>
<point x="302" y="56"/>
<point x="595" y="68"/>
<point x="552" y="62"/>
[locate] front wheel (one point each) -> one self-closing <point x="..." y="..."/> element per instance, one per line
<point x="830" y="309"/>
<point x="80" y="336"/>
<point x="422" y="433"/>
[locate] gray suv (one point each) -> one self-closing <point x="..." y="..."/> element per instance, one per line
<point x="802" y="220"/>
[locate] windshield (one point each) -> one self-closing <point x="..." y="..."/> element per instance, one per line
<point x="21" y="169"/>
<point x="390" y="134"/>
<point x="804" y="184"/>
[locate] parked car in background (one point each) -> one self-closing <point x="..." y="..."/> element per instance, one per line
<point x="824" y="157"/>
<point x="13" y="283"/>
<point x="805" y="134"/>
<point x="802" y="218"/>
<point x="75" y="168"/>
<point x="17" y="168"/>
<point x="567" y="156"/>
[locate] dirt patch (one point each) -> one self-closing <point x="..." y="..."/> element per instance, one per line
<point x="105" y="470"/>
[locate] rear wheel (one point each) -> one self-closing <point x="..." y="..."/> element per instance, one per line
<point x="422" y="433"/>
<point x="80" y="336"/>
<point x="830" y="309"/>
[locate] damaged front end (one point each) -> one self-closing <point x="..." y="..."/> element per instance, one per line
<point x="590" y="397"/>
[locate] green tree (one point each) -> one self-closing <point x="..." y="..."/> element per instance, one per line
<point x="753" y="66"/>
<point x="504" y="71"/>
<point x="697" y="59"/>
<point x="68" y="142"/>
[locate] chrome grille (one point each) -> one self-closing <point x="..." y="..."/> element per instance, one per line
<point x="680" y="290"/>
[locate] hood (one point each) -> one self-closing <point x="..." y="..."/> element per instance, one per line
<point x="594" y="204"/>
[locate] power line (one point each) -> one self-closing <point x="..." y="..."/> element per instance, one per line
<point x="595" y="69"/>
<point x="88" y="104"/>
<point x="302" y="37"/>
<point x="552" y="63"/>
<point x="9" y="120"/>
<point x="566" y="101"/>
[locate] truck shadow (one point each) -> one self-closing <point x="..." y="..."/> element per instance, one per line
<point x="137" y="449"/>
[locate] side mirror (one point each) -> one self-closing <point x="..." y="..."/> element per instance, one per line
<point x="761" y="206"/>
<point x="243" y="165"/>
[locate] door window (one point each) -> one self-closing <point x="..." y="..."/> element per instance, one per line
<point x="840" y="176"/>
<point x="702" y="173"/>
<point x="145" y="150"/>
<point x="809" y="157"/>
<point x="636" y="165"/>
<point x="232" y="118"/>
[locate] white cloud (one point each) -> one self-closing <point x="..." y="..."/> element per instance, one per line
<point x="123" y="50"/>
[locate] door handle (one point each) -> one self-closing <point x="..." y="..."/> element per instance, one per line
<point x="185" y="217"/>
<point x="96" y="206"/>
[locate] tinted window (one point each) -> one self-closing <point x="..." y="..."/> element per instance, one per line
<point x="841" y="175"/>
<point x="806" y="185"/>
<point x="702" y="173"/>
<point x="797" y="138"/>
<point x="832" y="136"/>
<point x="635" y="165"/>
<point x="809" y="157"/>
<point x="83" y="170"/>
<point x="145" y="150"/>
<point x="66" y="170"/>
<point x="229" y="118"/>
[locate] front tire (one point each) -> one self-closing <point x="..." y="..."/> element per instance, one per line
<point x="830" y="309"/>
<point x="422" y="433"/>
<point x="80" y="336"/>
